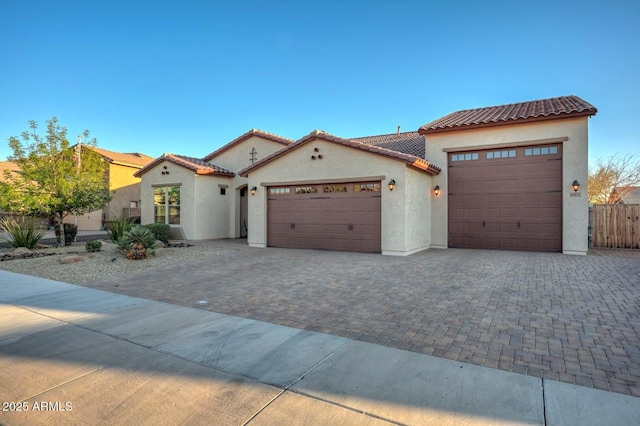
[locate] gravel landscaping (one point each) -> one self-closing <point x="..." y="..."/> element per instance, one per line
<point x="73" y="264"/>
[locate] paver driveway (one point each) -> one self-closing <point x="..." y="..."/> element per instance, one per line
<point x="575" y="319"/>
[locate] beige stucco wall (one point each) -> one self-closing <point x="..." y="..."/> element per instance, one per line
<point x="235" y="159"/>
<point x="178" y="176"/>
<point x="574" y="160"/>
<point x="417" y="232"/>
<point x="211" y="208"/>
<point x="402" y="233"/>
<point x="125" y="187"/>
<point x="87" y="222"/>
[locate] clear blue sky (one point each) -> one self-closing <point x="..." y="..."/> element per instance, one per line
<point x="189" y="76"/>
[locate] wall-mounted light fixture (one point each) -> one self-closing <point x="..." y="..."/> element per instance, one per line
<point x="254" y="190"/>
<point x="436" y="190"/>
<point x="392" y="184"/>
<point x="575" y="185"/>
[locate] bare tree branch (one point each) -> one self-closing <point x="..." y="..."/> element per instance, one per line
<point x="613" y="177"/>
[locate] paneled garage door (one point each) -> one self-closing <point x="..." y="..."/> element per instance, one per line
<point x="342" y="216"/>
<point x="508" y="199"/>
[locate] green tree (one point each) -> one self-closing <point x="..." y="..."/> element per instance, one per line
<point x="613" y="177"/>
<point x="56" y="180"/>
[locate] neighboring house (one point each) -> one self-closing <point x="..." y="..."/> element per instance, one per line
<point x="498" y="177"/>
<point x="125" y="186"/>
<point x="625" y="195"/>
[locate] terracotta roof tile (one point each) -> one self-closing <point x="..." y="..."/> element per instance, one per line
<point x="198" y="166"/>
<point x="247" y="135"/>
<point x="544" y="109"/>
<point x="626" y="195"/>
<point x="412" y="160"/>
<point x="135" y="159"/>
<point x="411" y="143"/>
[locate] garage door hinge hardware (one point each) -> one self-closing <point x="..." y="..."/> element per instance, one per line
<point x="483" y="223"/>
<point x="350" y="227"/>
<point x="518" y="224"/>
<point x="293" y="226"/>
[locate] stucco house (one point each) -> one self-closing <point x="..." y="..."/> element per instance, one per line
<point x="625" y="195"/>
<point x="122" y="182"/>
<point x="508" y="177"/>
<point x="124" y="185"/>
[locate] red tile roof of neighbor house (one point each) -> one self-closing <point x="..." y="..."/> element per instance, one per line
<point x="198" y="166"/>
<point x="247" y="135"/>
<point x="626" y="195"/>
<point x="411" y="160"/>
<point x="407" y="142"/>
<point x="544" y="109"/>
<point x="134" y="159"/>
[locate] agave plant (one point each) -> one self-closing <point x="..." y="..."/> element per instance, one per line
<point x="21" y="233"/>
<point x="138" y="243"/>
<point x="119" y="226"/>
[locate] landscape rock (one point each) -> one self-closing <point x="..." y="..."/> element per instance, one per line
<point x="160" y="244"/>
<point x="74" y="258"/>
<point x="21" y="252"/>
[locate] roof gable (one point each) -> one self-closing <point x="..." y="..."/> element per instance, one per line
<point x="544" y="109"/>
<point x="411" y="160"/>
<point x="407" y="142"/>
<point x="245" y="136"/>
<point x="196" y="165"/>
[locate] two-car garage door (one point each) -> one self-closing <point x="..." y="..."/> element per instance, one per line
<point x="332" y="216"/>
<point x="509" y="199"/>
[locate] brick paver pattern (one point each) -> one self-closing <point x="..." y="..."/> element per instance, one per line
<point x="575" y="319"/>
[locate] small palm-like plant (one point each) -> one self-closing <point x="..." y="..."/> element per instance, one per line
<point x="21" y="233"/>
<point x="138" y="243"/>
<point x="118" y="227"/>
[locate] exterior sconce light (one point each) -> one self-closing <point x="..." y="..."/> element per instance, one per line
<point x="392" y="184"/>
<point x="254" y="190"/>
<point x="575" y="185"/>
<point x="436" y="190"/>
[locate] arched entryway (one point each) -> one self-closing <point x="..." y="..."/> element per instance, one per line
<point x="243" y="211"/>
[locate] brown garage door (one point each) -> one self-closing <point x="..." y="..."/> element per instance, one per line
<point x="508" y="199"/>
<point x="343" y="216"/>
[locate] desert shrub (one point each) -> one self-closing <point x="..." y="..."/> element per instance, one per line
<point x="160" y="230"/>
<point x="22" y="232"/>
<point x="70" y="232"/>
<point x="138" y="242"/>
<point x="93" y="246"/>
<point x="118" y="227"/>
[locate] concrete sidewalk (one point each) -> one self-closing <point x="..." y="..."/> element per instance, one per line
<point x="74" y="355"/>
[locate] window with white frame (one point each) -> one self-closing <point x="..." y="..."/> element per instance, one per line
<point x="166" y="205"/>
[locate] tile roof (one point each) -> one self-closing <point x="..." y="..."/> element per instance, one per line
<point x="544" y="109"/>
<point x="198" y="166"/>
<point x="407" y="142"/>
<point x="247" y="135"/>
<point x="134" y="159"/>
<point x="411" y="160"/>
<point x="626" y="195"/>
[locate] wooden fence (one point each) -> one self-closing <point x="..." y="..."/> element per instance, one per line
<point x="616" y="226"/>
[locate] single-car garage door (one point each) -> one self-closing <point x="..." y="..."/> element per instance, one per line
<point x="508" y="199"/>
<point x="333" y="216"/>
